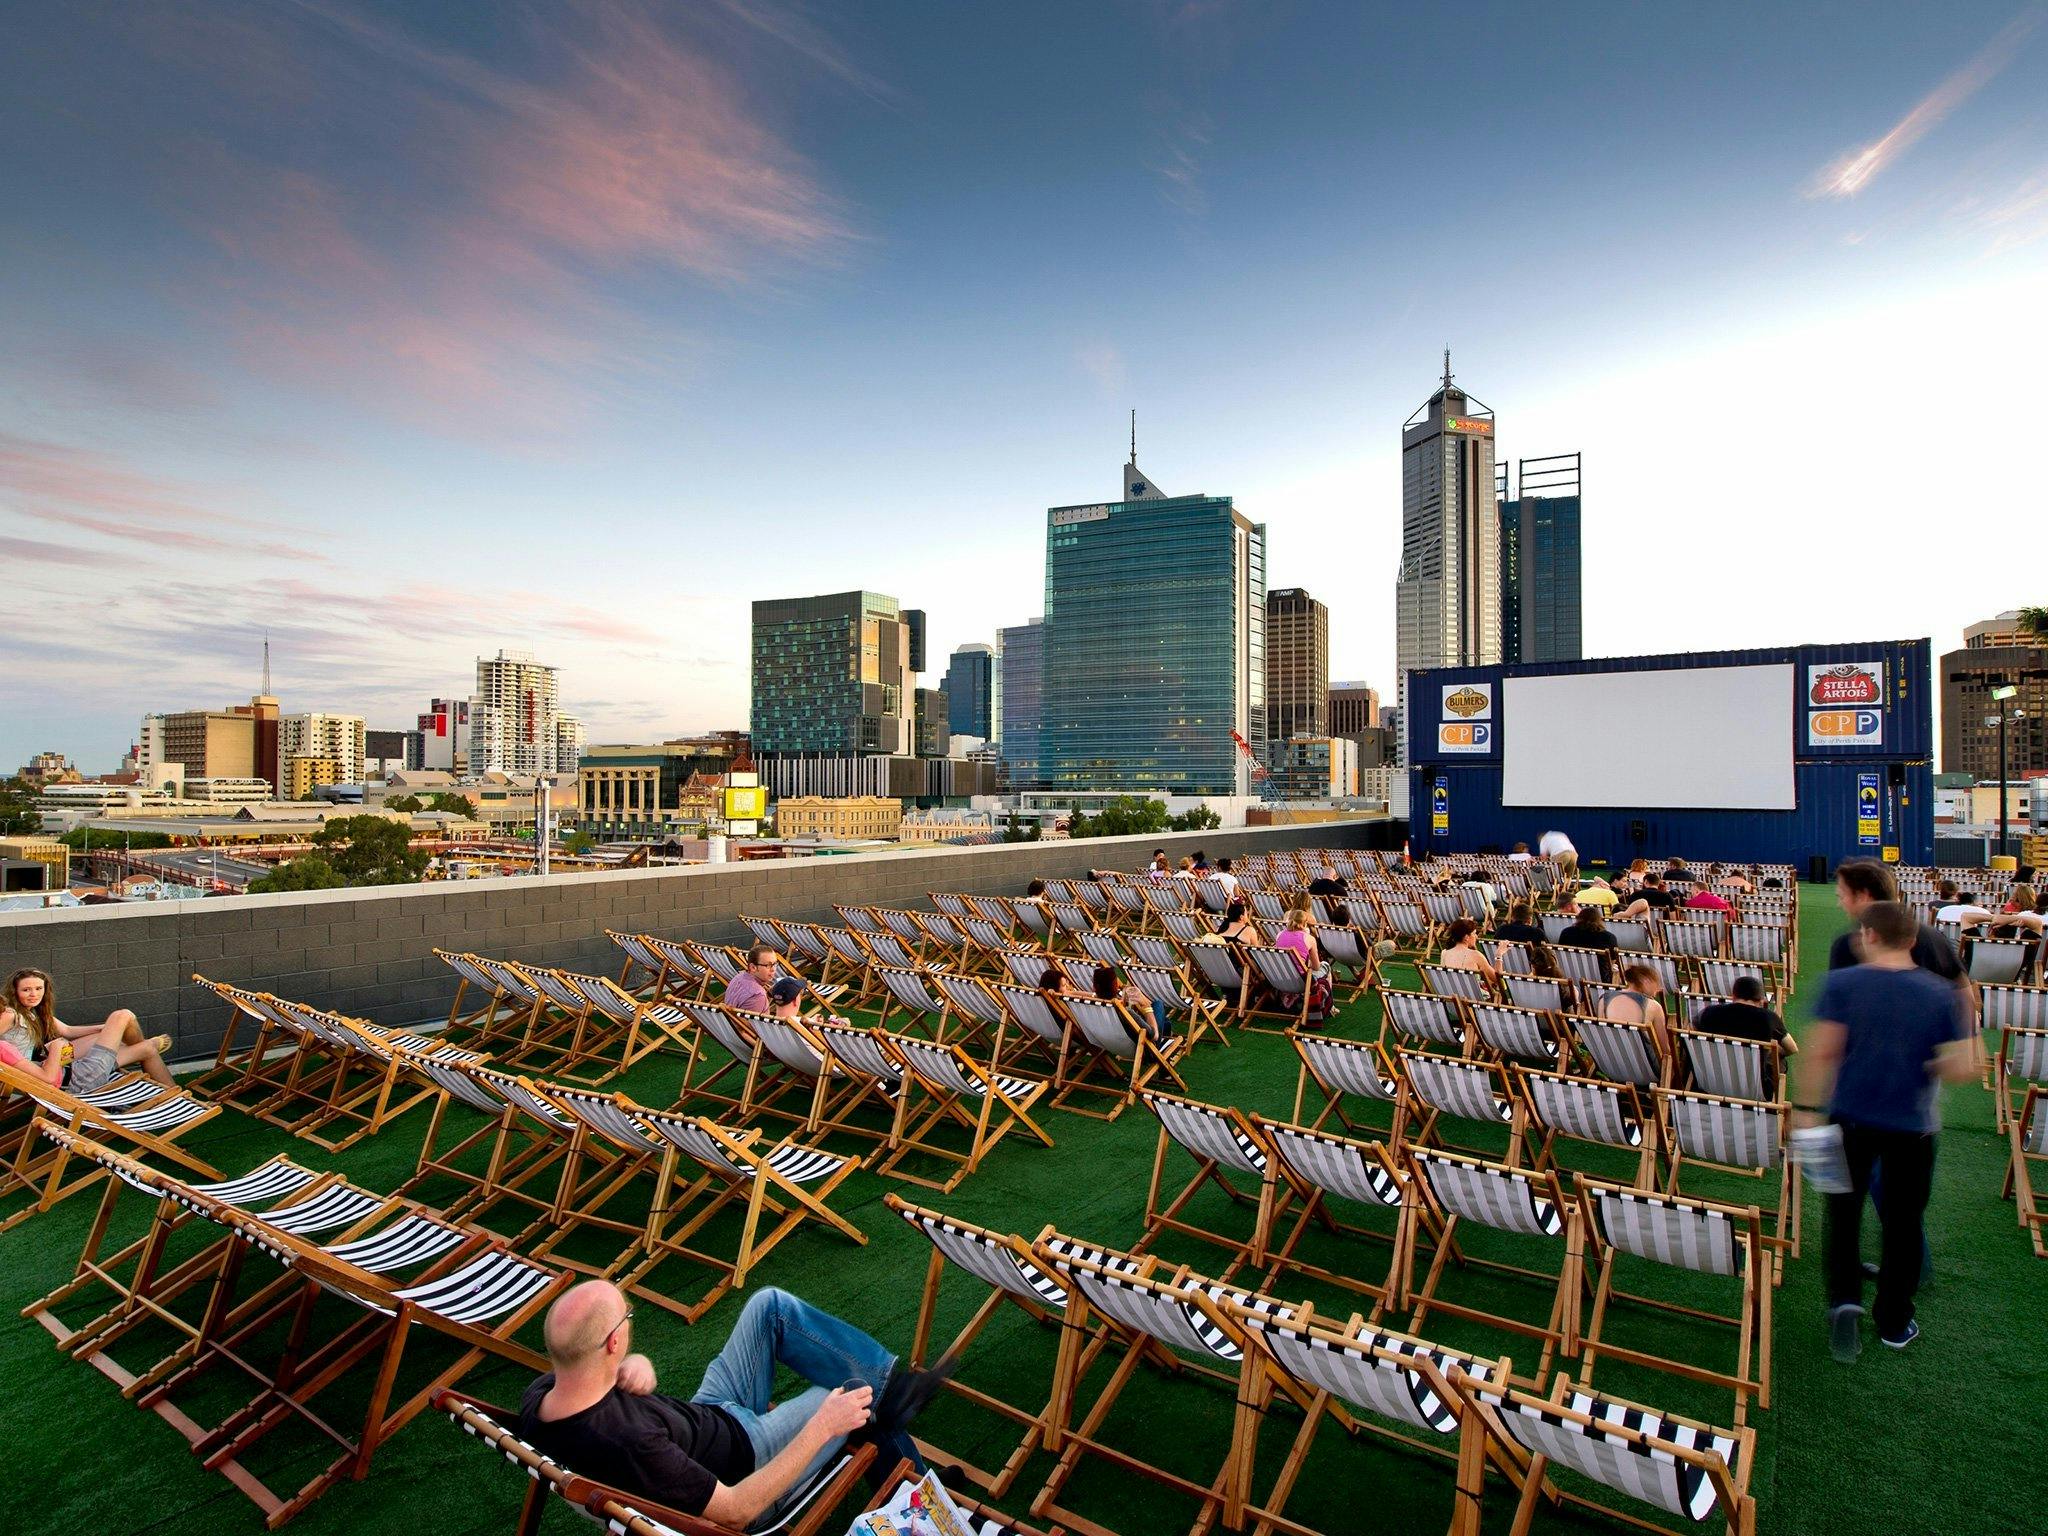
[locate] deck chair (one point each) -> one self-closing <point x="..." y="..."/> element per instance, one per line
<point x="1035" y="918"/>
<point x="1348" y="950"/>
<point x="2014" y="1015"/>
<point x="732" y="1038"/>
<point x="859" y="919"/>
<point x="1412" y="929"/>
<point x="1320" y="1166"/>
<point x="1285" y="978"/>
<point x="1223" y="973"/>
<point x="1717" y="978"/>
<point x="1036" y="1026"/>
<point x="1690" y="1470"/>
<point x="1665" y="966"/>
<point x="1585" y="967"/>
<point x="1466" y="1191"/>
<point x="517" y="1145"/>
<point x="963" y="1093"/>
<point x="1587" y="1109"/>
<point x="1550" y="993"/>
<point x="950" y="903"/>
<point x="1268" y="906"/>
<point x="1764" y="944"/>
<point x="801" y="1512"/>
<point x="1105" y="1042"/>
<point x="1554" y="925"/>
<point x="707" y="1170"/>
<point x="531" y="1117"/>
<point x="685" y="977"/>
<point x="916" y="995"/>
<point x="1026" y="967"/>
<point x="257" y="1068"/>
<point x="1631" y="933"/>
<point x="1161" y="1313"/>
<point x="1697" y="1235"/>
<point x="850" y="964"/>
<point x="1508" y="956"/>
<point x="767" y="930"/>
<point x="1357" y="1068"/>
<point x="986" y="945"/>
<point x="1516" y="1034"/>
<point x="1202" y="1015"/>
<point x="1184" y="927"/>
<point x="537" y="1018"/>
<point x="371" y="1084"/>
<point x="1998" y="961"/>
<point x="1160" y="951"/>
<point x="1691" y="940"/>
<point x="610" y="1147"/>
<point x="1421" y="1016"/>
<point x="493" y="1012"/>
<point x="634" y="1028"/>
<point x="970" y="1000"/>
<point x="1437" y="1087"/>
<point x="1069" y="919"/>
<point x="1621" y="1051"/>
<point x="2027" y="1131"/>
<point x="1102" y="947"/>
<point x="1740" y="1137"/>
<point x="1404" y="1389"/>
<point x="1221" y="1141"/>
<point x="1449" y="981"/>
<point x="806" y="944"/>
<point x="1731" y="1066"/>
<point x="641" y="966"/>
<point x="131" y="1113"/>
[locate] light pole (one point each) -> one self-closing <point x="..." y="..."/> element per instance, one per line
<point x="1999" y="695"/>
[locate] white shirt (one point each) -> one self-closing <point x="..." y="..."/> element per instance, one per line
<point x="1226" y="879"/>
<point x="1518" y="858"/>
<point x="1551" y="844"/>
<point x="1961" y="913"/>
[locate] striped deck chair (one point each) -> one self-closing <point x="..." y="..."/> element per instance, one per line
<point x="1223" y="973"/>
<point x="1156" y="950"/>
<point x="1158" y="1312"/>
<point x="886" y="949"/>
<point x="1027" y="967"/>
<point x="1421" y="1016"/>
<point x="1408" y="925"/>
<point x="1320" y="1165"/>
<point x="1690" y="939"/>
<point x="475" y="1298"/>
<point x="2027" y="1131"/>
<point x="1587" y="967"/>
<point x="509" y="1178"/>
<point x="986" y="944"/>
<point x="538" y="1018"/>
<point x="1037" y="1026"/>
<point x="1070" y="920"/>
<point x="313" y="1053"/>
<point x="1764" y="944"/>
<point x="963" y="1095"/>
<point x="1587" y="1109"/>
<point x="1182" y="927"/>
<point x="1554" y="925"/>
<point x="610" y="1148"/>
<point x="371" y="1085"/>
<point x="1631" y="933"/>
<point x="685" y="977"/>
<point x="1126" y="904"/>
<point x="1508" y="956"/>
<point x="707" y="1169"/>
<point x="640" y="1027"/>
<point x="977" y="1009"/>
<point x="1998" y="962"/>
<point x="492" y="1013"/>
<point x="1454" y="982"/>
<point x="767" y="930"/>
<point x="1165" y="897"/>
<point x="859" y="919"/>
<point x="1078" y="969"/>
<point x="1347" y="950"/>
<point x="909" y="930"/>
<point x="1689" y="1470"/>
<point x="131" y="1113"/>
<point x="951" y="904"/>
<point x="850" y="964"/>
<point x="1285" y="981"/>
<point x="1698" y="1235"/>
<point x="1035" y="919"/>
<point x="733" y="1048"/>
<point x="1516" y="1034"/>
<point x="1389" y="1384"/>
<point x="1268" y="906"/>
<point x="1620" y="1050"/>
<point x="514" y="1146"/>
<point x="916" y="995"/>
<point x="1359" y="1069"/>
<point x="2022" y="1056"/>
<point x="1730" y="1066"/>
<point x="1016" y="1276"/>
<point x="1212" y="894"/>
<point x="1735" y="1136"/>
<point x="808" y="1057"/>
<point x="1101" y="947"/>
<point x="1474" y="1091"/>
<point x="806" y="944"/>
<point x="946" y="935"/>
<point x="1162" y="984"/>
<point x="1469" y="1191"/>
<point x="247" y="1069"/>
<point x="1106" y="1043"/>
<point x="642" y="968"/>
<point x="999" y="910"/>
<point x="1550" y="993"/>
<point x="1443" y="907"/>
<point x="860" y="1052"/>
<point x="1665" y="966"/>
<point x="1221" y="1141"/>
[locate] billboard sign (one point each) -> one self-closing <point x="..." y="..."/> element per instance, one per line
<point x="1440" y="805"/>
<point x="746" y="802"/>
<point x="1845" y="727"/>
<point x="1869" y="816"/>
<point x="1472" y="736"/>
<point x="1845" y="683"/>
<point x="1469" y="701"/>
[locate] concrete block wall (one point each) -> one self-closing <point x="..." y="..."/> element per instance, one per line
<point x="369" y="953"/>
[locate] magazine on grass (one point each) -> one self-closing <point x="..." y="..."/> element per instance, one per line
<point x="920" y="1508"/>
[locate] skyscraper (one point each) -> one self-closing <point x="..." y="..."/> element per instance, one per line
<point x="1021" y="709"/>
<point x="1447" y="598"/>
<point x="1354" y="707"/>
<point x="512" y="716"/>
<point x="341" y="738"/>
<point x="833" y="674"/>
<point x="1155" y="621"/>
<point x="971" y="691"/>
<point x="444" y="735"/>
<point x="1996" y="653"/>
<point x="1297" y="665"/>
<point x="1539" y="561"/>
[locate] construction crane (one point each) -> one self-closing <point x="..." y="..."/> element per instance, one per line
<point x="1268" y="787"/>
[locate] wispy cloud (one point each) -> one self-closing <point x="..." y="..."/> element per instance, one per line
<point x="1103" y="361"/>
<point x="37" y="552"/>
<point x="1850" y="174"/>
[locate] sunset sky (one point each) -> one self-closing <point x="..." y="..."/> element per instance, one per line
<point x="402" y="333"/>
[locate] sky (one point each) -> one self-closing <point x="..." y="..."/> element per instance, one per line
<point x="401" y="333"/>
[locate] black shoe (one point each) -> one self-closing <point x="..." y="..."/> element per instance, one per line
<point x="1900" y="1341"/>
<point x="908" y="1392"/>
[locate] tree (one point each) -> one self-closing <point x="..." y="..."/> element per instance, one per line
<point x="81" y="839"/>
<point x="370" y="850"/>
<point x="18" y="811"/>
<point x="578" y="843"/>
<point x="1199" y="819"/>
<point x="2034" y="622"/>
<point x="308" y="872"/>
<point x="409" y="804"/>
<point x="455" y="805"/>
<point x="1125" y="816"/>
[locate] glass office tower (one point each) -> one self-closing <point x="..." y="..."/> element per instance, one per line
<point x="1155" y="616"/>
<point x="833" y="673"/>
<point x="1020" y="701"/>
<point x="971" y="690"/>
<point x="1540" y="600"/>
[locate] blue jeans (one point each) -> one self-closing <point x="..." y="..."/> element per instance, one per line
<point x="1162" y="1028"/>
<point x="776" y="1328"/>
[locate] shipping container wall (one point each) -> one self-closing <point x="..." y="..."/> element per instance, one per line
<point x="1457" y="809"/>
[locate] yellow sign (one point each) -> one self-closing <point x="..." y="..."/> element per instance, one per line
<point x="1891" y="854"/>
<point x="747" y="802"/>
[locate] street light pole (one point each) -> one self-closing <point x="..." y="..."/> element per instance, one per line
<point x="1999" y="696"/>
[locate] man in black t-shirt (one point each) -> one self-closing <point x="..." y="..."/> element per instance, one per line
<point x="728" y="1454"/>
<point x="1746" y="1018"/>
<point x="1650" y="896"/>
<point x="1518" y="929"/>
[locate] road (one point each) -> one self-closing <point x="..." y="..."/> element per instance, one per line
<point x="203" y="865"/>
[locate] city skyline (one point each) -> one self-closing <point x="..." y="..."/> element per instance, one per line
<point x="408" y="337"/>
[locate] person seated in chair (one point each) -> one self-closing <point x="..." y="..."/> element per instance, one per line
<point x="1518" y="929"/>
<point x="81" y="1057"/>
<point x="1651" y="896"/>
<point x="727" y="1454"/>
<point x="1747" y="1017"/>
<point x="1637" y="1003"/>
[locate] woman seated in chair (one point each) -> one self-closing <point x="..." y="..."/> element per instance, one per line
<point x="1637" y="1003"/>
<point x="30" y="1027"/>
<point x="1461" y="952"/>
<point x="1133" y="997"/>
<point x="1237" y="928"/>
<point x="1298" y="934"/>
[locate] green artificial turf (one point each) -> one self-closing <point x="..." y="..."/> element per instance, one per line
<point x="1943" y="1437"/>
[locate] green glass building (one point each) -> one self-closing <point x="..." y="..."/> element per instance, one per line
<point x="1155" y="618"/>
<point x="834" y="674"/>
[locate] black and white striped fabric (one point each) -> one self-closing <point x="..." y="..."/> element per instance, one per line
<point x="508" y="979"/>
<point x="479" y="1095"/>
<point x="1519" y="1033"/>
<point x="1207" y="1132"/>
<point x="1102" y="948"/>
<point x="789" y="1045"/>
<point x="610" y="1119"/>
<point x="1371" y="1372"/>
<point x="797" y="1164"/>
<point x="1537" y="992"/>
<point x="1720" y="1131"/>
<point x="721" y="1025"/>
<point x="983" y="1256"/>
<point x="1405" y="919"/>
<point x="859" y="1052"/>
<point x="526" y="1101"/>
<point x="1664" y="965"/>
<point x="1646" y="1470"/>
<point x="1335" y="1164"/>
<point x="1685" y="1234"/>
<point x="943" y="1067"/>
<point x="486" y="1288"/>
<point x="414" y="1045"/>
<point x="1582" y="1108"/>
<point x="271" y="1182"/>
<point x="1699" y="941"/>
<point x="1580" y="965"/>
<point x="1027" y="966"/>
<point x="469" y="970"/>
<point x="1072" y="916"/>
<point x="1997" y="961"/>
<point x="1453" y="981"/>
<point x="2034" y="1133"/>
<point x="128" y="1089"/>
<point x="859" y="919"/>
<point x="680" y="958"/>
<point x="967" y="996"/>
<point x="1718" y="977"/>
<point x="2014" y="1008"/>
<point x="1268" y="906"/>
<point x="559" y="990"/>
<point x="1163" y="1312"/>
<point x="1185" y="927"/>
<point x="1347" y="1066"/>
<point x="1033" y="1013"/>
<point x="1423" y="1016"/>
<point x="903" y="925"/>
<point x="985" y="934"/>
<point x="1279" y="968"/>
<point x="331" y="1209"/>
<point x="1464" y="1089"/>
<point x="1630" y="933"/>
<point x="1218" y="965"/>
<point x="167" y="1114"/>
<point x="1102" y="1025"/>
<point x="1508" y="956"/>
<point x="1079" y="971"/>
<point x="1554" y="925"/>
<point x="1756" y="942"/>
<point x="1342" y="946"/>
<point x="1725" y="1064"/>
<point x="805" y="940"/>
<point x="2025" y="1052"/>
<point x="1162" y="986"/>
<point x="636" y="949"/>
<point x="1489" y="1194"/>
<point x="765" y="931"/>
<point x="949" y="903"/>
<point x="1623" y="1053"/>
<point x="411" y="1240"/>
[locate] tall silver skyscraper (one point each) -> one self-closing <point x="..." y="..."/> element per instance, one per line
<point x="1447" y="600"/>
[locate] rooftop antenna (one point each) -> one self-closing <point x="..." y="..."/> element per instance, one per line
<point x="1447" y="367"/>
<point x="1134" y="437"/>
<point x="266" y="663"/>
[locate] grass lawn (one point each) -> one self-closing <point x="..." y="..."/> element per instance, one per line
<point x="1942" y="1437"/>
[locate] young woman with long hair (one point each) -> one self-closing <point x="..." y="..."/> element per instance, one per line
<point x="29" y="1023"/>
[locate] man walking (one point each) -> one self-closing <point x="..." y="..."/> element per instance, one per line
<point x="1885" y="1035"/>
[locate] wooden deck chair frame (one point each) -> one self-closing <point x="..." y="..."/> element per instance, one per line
<point x="1679" y="1232"/>
<point x="830" y="1090"/>
<point x="1016" y="1276"/>
<point x="546" y="1018"/>
<point x="962" y="1093"/>
<point x="615" y="1030"/>
<point x="1203" y="1015"/>
<point x="686" y="978"/>
<point x="1694" y="1469"/>
<point x="1222" y="1141"/>
<point x="917" y="995"/>
<point x="1731" y="1066"/>
<point x="372" y="1085"/>
<point x="479" y="1088"/>
<point x="1319" y="1165"/>
<point x="260" y="1066"/>
<point x="1435" y="1088"/>
<point x="2020" y="1015"/>
<point x="1439" y="1022"/>
<point x="1621" y="1050"/>
<point x="1223" y="970"/>
<point x="1349" y="948"/>
<point x="530" y="1116"/>
<point x="735" y="1041"/>
<point x="707" y="1169"/>
<point x="2026" y="1132"/>
<point x="1560" y="1106"/>
<point x="118" y="1116"/>
<point x="636" y="952"/>
<point x="1285" y="978"/>
<point x="1719" y="1133"/>
<point x="1036" y="1028"/>
<point x="609" y="1149"/>
<point x="1102" y="1039"/>
<point x="1522" y="1201"/>
<point x="500" y="1015"/>
<point x="1358" y="1068"/>
<point x="851" y="965"/>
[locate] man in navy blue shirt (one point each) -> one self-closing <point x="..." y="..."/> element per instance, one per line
<point x="1885" y="1035"/>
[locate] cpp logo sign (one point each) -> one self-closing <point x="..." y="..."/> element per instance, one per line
<point x="1465" y="736"/>
<point x="1844" y="727"/>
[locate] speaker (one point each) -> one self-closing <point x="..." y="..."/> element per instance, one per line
<point x="1817" y="869"/>
<point x="1639" y="831"/>
<point x="1895" y="775"/>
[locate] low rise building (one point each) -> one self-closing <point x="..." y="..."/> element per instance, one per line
<point x="52" y="855"/>
<point x="229" y="791"/>
<point x="848" y="816"/>
<point x="946" y="825"/>
<point x="303" y="775"/>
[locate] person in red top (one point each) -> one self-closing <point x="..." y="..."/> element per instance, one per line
<point x="1702" y="897"/>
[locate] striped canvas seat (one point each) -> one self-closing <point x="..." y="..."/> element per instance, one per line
<point x="722" y="1025"/>
<point x="682" y="961"/>
<point x="1071" y="917"/>
<point x="1582" y="1108"/>
<point x="1404" y="919"/>
<point x="888" y="950"/>
<point x="1336" y="1164"/>
<point x="1384" y="1373"/>
<point x="607" y="1117"/>
<point x="1554" y="925"/>
<point x="1718" y="977"/>
<point x="1206" y="1131"/>
<point x="1695" y="940"/>
<point x="1348" y="1066"/>
<point x="1268" y="906"/>
<point x="941" y="1066"/>
<point x="859" y="919"/>
<point x="1626" y="1448"/>
<point x="860" y="1051"/>
<point x="985" y="935"/>
<point x="1758" y="943"/>
<point x="1547" y="992"/>
<point x="489" y="1287"/>
<point x="1521" y="1034"/>
<point x="169" y="1113"/>
<point x="1723" y="1131"/>
<point x="2011" y="1007"/>
<point x="1664" y="965"/>
<point x="970" y="998"/>
<point x="1686" y="1234"/>
<point x="1443" y="907"/>
<point x="1168" y="1312"/>
<point x="908" y="991"/>
<point x="1155" y="950"/>
<point x="905" y="925"/>
<point x="1465" y="1090"/>
<point x="1185" y="927"/>
<point x="1622" y="1052"/>
<point x="987" y="1256"/>
<point x="1584" y="966"/>
<point x="797" y="1164"/>
<point x="766" y="931"/>
<point x="1102" y="947"/>
<point x="412" y="1240"/>
<point x="1998" y="961"/>
<point x="1027" y="966"/>
<point x="1489" y="1194"/>
<point x="1631" y="933"/>
<point x="1508" y="956"/>
<point x="1079" y="971"/>
<point x="638" y="952"/>
<point x="1033" y="1012"/>
<point x="1728" y="1066"/>
<point x="1423" y="1016"/>
<point x="1453" y="981"/>
<point x="1219" y="966"/>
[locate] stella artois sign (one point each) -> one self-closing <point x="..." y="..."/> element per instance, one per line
<point x="1850" y="682"/>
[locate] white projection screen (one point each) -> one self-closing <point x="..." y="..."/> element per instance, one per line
<point x="1712" y="738"/>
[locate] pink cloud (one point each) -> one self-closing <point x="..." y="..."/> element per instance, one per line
<point x="36" y="552"/>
